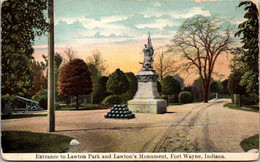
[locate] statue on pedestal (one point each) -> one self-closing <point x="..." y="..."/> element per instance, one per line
<point x="148" y="54"/>
<point x="147" y="98"/>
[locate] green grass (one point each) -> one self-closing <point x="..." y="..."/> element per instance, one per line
<point x="250" y="143"/>
<point x="85" y="107"/>
<point x="30" y="142"/>
<point x="17" y="116"/>
<point x="173" y="104"/>
<point x="19" y="109"/>
<point x="234" y="106"/>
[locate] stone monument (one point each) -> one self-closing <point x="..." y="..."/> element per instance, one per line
<point x="147" y="98"/>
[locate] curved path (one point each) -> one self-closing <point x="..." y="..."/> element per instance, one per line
<point x="198" y="127"/>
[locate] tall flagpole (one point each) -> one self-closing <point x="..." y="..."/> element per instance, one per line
<point x="51" y="85"/>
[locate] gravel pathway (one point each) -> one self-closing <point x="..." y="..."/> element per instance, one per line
<point x="197" y="127"/>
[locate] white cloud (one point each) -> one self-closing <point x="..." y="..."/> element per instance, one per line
<point x="157" y="4"/>
<point x="113" y="18"/>
<point x="236" y="21"/>
<point x="69" y="20"/>
<point x="177" y="14"/>
<point x="159" y="23"/>
<point x="190" y="13"/>
<point x="105" y="25"/>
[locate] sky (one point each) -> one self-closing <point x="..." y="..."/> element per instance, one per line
<point x="119" y="28"/>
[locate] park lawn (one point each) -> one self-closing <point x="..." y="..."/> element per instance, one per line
<point x="85" y="107"/>
<point x="173" y="104"/>
<point x="234" y="106"/>
<point x="31" y="142"/>
<point x="250" y="143"/>
<point x="17" y="116"/>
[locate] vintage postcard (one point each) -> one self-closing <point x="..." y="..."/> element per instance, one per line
<point x="130" y="80"/>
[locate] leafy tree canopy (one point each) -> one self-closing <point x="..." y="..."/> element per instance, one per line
<point x="248" y="30"/>
<point x="233" y="83"/>
<point x="21" y="21"/>
<point x="132" y="83"/>
<point x="117" y="82"/>
<point x="75" y="79"/>
<point x="39" y="80"/>
<point x="170" y="86"/>
<point x="216" y="87"/>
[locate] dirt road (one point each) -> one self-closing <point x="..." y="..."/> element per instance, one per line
<point x="199" y="127"/>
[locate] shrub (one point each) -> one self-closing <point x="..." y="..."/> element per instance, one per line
<point x="165" y="97"/>
<point x="185" y="97"/>
<point x="112" y="99"/>
<point x="41" y="98"/>
<point x="251" y="99"/>
<point x="125" y="97"/>
<point x="173" y="98"/>
<point x="57" y="106"/>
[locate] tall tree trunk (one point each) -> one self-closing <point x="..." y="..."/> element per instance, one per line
<point x="205" y="91"/>
<point x="77" y="102"/>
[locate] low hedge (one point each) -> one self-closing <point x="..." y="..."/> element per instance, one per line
<point x="185" y="97"/>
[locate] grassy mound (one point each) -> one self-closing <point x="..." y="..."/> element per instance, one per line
<point x="30" y="142"/>
<point x="234" y="106"/>
<point x="250" y="143"/>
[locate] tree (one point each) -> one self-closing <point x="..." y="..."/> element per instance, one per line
<point x="97" y="61"/>
<point x="201" y="40"/>
<point x="96" y="66"/>
<point x="234" y="86"/>
<point x="39" y="80"/>
<point x="117" y="82"/>
<point x="132" y="83"/>
<point x="99" y="89"/>
<point x="247" y="57"/>
<point x="164" y="65"/>
<point x="216" y="87"/>
<point x="70" y="54"/>
<point x="180" y="79"/>
<point x="130" y="93"/>
<point x="57" y="63"/>
<point x="225" y="86"/>
<point x="197" y="90"/>
<point x="170" y="86"/>
<point x="21" y="21"/>
<point x="75" y="79"/>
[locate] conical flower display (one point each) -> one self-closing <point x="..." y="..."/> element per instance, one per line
<point x="120" y="111"/>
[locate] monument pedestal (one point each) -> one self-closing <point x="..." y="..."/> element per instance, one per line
<point x="150" y="106"/>
<point x="147" y="98"/>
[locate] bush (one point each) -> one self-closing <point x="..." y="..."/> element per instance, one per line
<point x="111" y="100"/>
<point x="165" y="97"/>
<point x="185" y="97"/>
<point x="125" y="97"/>
<point x="173" y="98"/>
<point x="41" y="98"/>
<point x="251" y="99"/>
<point x="57" y="106"/>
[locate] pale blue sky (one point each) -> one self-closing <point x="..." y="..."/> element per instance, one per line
<point x="89" y="22"/>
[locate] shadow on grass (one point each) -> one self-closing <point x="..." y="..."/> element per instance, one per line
<point x="17" y="116"/>
<point x="31" y="142"/>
